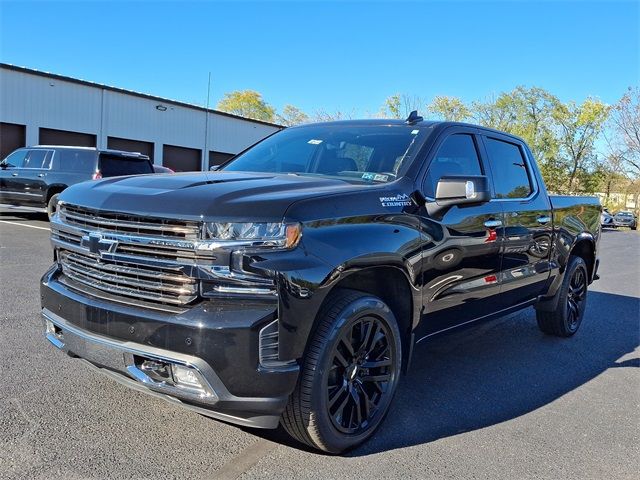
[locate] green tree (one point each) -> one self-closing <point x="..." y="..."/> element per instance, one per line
<point x="580" y="126"/>
<point x="451" y="109"/>
<point x="400" y="105"/>
<point x="247" y="103"/>
<point x="292" y="116"/>
<point x="625" y="123"/>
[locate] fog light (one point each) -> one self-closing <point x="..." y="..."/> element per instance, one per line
<point x="53" y="333"/>
<point x="187" y="377"/>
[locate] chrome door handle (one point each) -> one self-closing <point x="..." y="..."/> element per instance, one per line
<point x="544" y="220"/>
<point x="41" y="175"/>
<point x="493" y="223"/>
<point x="14" y="174"/>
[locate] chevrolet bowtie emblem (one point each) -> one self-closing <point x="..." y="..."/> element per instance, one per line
<point x="96" y="243"/>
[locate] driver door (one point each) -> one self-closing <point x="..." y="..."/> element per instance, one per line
<point x="10" y="177"/>
<point x="461" y="247"/>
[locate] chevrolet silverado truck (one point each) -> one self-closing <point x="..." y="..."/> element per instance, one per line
<point x="291" y="286"/>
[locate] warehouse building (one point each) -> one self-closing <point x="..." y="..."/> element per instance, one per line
<point x="47" y="109"/>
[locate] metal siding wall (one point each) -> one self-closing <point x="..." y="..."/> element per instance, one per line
<point x="233" y="135"/>
<point x="31" y="100"/>
<point x="41" y="102"/>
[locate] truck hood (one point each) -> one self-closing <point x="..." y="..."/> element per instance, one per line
<point x="205" y="195"/>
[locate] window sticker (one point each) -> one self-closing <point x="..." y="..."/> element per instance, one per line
<point x="375" y="177"/>
<point x="313" y="141"/>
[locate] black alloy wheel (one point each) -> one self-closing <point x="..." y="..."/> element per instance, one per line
<point x="360" y="375"/>
<point x="575" y="296"/>
<point x="350" y="373"/>
<point x="569" y="302"/>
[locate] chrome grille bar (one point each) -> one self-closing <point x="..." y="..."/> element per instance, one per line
<point x="128" y="224"/>
<point x="132" y="281"/>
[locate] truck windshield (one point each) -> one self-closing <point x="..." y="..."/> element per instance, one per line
<point x="369" y="153"/>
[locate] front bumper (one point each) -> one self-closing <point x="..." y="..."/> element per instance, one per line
<point x="219" y="342"/>
<point x="624" y="224"/>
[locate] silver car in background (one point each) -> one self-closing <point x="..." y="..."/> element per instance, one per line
<point x="625" y="219"/>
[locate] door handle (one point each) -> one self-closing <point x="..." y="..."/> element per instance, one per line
<point x="41" y="175"/>
<point x="15" y="174"/>
<point x="544" y="219"/>
<point x="493" y="223"/>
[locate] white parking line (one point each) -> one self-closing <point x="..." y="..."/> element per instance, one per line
<point x="24" y="225"/>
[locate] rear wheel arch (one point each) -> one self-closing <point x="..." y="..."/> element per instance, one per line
<point x="585" y="249"/>
<point x="53" y="190"/>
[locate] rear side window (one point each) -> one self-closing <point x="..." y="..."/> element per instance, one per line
<point x="116" y="166"/>
<point x="456" y="156"/>
<point x="511" y="178"/>
<point x="81" y="161"/>
<point x="38" y="159"/>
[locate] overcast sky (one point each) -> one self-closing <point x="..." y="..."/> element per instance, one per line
<point x="331" y="55"/>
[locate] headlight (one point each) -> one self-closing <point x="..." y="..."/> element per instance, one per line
<point x="252" y="234"/>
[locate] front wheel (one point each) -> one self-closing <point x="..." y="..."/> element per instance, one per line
<point x="349" y="376"/>
<point x="565" y="320"/>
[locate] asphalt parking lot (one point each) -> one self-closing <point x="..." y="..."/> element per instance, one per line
<point x="499" y="400"/>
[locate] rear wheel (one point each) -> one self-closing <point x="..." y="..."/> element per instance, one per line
<point x="565" y="320"/>
<point x="349" y="376"/>
<point x="52" y="205"/>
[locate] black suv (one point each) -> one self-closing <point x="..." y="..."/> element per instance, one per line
<point x="35" y="176"/>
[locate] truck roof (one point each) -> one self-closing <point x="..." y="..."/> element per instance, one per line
<point x="440" y="124"/>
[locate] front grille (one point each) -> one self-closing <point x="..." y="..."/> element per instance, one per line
<point x="161" y="285"/>
<point x="143" y="260"/>
<point x="170" y="240"/>
<point x="128" y="224"/>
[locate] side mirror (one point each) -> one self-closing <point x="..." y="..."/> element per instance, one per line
<point x="462" y="190"/>
<point x="214" y="168"/>
<point x="4" y="165"/>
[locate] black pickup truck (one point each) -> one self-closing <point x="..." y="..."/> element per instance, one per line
<point x="292" y="285"/>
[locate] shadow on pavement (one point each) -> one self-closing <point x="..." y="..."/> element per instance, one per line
<point x="497" y="371"/>
<point x="17" y="215"/>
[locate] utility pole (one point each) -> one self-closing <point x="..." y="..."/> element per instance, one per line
<point x="205" y="150"/>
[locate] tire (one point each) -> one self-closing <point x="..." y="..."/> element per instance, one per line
<point x="52" y="205"/>
<point x="565" y="320"/>
<point x="338" y="402"/>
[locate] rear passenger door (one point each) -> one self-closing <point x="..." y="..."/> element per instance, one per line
<point x="527" y="225"/>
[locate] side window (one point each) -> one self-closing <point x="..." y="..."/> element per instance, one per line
<point x="511" y="178"/>
<point x="37" y="159"/>
<point x="16" y="159"/>
<point x="82" y="161"/>
<point x="456" y="156"/>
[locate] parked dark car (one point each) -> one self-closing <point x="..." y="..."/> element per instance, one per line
<point x="625" y="219"/>
<point x="292" y="285"/>
<point x="35" y="176"/>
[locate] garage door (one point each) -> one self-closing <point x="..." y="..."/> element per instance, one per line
<point x="49" y="136"/>
<point x="146" y="148"/>
<point x="218" y="158"/>
<point x="12" y="136"/>
<point x="181" y="159"/>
